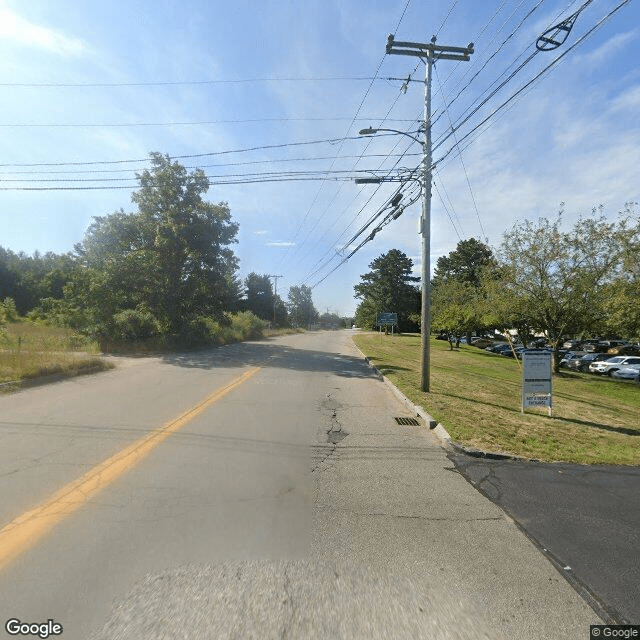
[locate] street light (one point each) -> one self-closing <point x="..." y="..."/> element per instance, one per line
<point x="370" y="131"/>
<point x="425" y="224"/>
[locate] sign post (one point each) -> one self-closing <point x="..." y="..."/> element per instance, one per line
<point x="537" y="377"/>
<point x="386" y="319"/>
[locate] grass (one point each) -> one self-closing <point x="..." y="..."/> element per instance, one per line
<point x="29" y="351"/>
<point x="476" y="397"/>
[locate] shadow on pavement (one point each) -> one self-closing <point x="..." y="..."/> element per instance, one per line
<point x="266" y="354"/>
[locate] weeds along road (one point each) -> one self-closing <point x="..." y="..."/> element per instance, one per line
<point x="259" y="490"/>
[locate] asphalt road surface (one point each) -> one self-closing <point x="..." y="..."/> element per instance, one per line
<point x="260" y="490"/>
<point x="585" y="518"/>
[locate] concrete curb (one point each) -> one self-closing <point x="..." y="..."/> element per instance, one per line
<point x="437" y="428"/>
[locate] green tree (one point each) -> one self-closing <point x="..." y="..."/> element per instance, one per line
<point x="388" y="287"/>
<point x="457" y="296"/>
<point x="259" y="295"/>
<point x="171" y="258"/>
<point x="557" y="280"/>
<point x="465" y="263"/>
<point x="30" y="278"/>
<point x="455" y="309"/>
<point x="302" y="312"/>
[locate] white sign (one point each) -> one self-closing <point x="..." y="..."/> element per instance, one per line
<point x="537" y="375"/>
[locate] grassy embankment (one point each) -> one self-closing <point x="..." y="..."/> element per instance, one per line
<point x="476" y="397"/>
<point x="29" y="351"/>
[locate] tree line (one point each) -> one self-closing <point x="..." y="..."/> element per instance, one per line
<point x="166" y="271"/>
<point x="578" y="283"/>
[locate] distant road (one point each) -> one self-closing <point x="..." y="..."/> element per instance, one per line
<point x="264" y="490"/>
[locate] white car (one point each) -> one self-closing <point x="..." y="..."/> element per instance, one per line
<point x="613" y="364"/>
<point x="630" y="372"/>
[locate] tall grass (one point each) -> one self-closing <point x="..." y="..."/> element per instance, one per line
<point x="28" y="350"/>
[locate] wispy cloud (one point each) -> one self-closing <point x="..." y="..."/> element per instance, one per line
<point x="14" y="28"/>
<point x="281" y="244"/>
<point x="608" y="48"/>
<point x="630" y="99"/>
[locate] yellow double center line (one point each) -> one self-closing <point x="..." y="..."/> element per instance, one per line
<point x="27" y="528"/>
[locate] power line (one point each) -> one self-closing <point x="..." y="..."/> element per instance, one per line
<point x="525" y="86"/>
<point x="186" y="156"/>
<point x="170" y="83"/>
<point x="219" y="164"/>
<point x="25" y="125"/>
<point x="355" y="117"/>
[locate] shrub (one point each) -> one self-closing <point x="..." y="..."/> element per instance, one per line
<point x="133" y="325"/>
<point x="245" y="325"/>
<point x="8" y="311"/>
<point x="202" y="330"/>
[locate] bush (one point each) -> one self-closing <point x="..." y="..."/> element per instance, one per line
<point x="245" y="325"/>
<point x="8" y="311"/>
<point x="132" y="325"/>
<point x="202" y="330"/>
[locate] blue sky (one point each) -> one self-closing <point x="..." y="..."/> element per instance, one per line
<point x="270" y="87"/>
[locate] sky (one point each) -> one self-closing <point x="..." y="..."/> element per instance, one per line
<point x="268" y="98"/>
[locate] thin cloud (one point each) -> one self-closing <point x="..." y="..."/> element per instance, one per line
<point x="608" y="48"/>
<point x="280" y="244"/>
<point x="14" y="28"/>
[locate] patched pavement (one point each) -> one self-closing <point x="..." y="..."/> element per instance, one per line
<point x="586" y="519"/>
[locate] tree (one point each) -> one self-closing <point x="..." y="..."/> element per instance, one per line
<point x="388" y="287"/>
<point x="558" y="279"/>
<point x="457" y="297"/>
<point x="455" y="309"/>
<point x="465" y="263"/>
<point x="261" y="300"/>
<point x="301" y="309"/>
<point x="30" y="278"/>
<point x="171" y="258"/>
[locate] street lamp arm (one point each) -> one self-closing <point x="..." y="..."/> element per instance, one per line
<point x="370" y="131"/>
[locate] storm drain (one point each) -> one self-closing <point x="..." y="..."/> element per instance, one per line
<point x="407" y="421"/>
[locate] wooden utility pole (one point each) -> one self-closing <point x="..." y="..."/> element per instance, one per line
<point x="429" y="53"/>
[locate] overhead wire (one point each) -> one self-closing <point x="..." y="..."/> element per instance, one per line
<point x="358" y="110"/>
<point x="464" y="167"/>
<point x="509" y="100"/>
<point x="541" y="73"/>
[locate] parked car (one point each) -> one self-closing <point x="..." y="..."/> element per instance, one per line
<point x="588" y="345"/>
<point x="624" y="350"/>
<point x="630" y="372"/>
<point x="482" y="343"/>
<point x="613" y="364"/>
<point x="497" y="347"/>
<point x="588" y="359"/>
<point x="568" y="357"/>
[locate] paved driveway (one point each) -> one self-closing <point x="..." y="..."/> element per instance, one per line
<point x="586" y="519"/>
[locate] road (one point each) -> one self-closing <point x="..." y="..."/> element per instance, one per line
<point x="586" y="518"/>
<point x="259" y="490"/>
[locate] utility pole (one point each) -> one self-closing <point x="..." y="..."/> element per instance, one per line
<point x="275" y="293"/>
<point x="428" y="53"/>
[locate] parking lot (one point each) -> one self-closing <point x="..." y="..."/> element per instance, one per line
<point x="616" y="359"/>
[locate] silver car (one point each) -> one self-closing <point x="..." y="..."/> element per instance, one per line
<point x="630" y="372"/>
<point x="613" y="364"/>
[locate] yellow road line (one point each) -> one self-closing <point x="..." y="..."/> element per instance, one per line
<point x="27" y="528"/>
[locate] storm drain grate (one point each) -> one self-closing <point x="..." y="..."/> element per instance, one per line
<point x="407" y="421"/>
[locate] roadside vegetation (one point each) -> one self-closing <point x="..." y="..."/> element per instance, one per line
<point x="29" y="351"/>
<point x="161" y="277"/>
<point x="476" y="397"/>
